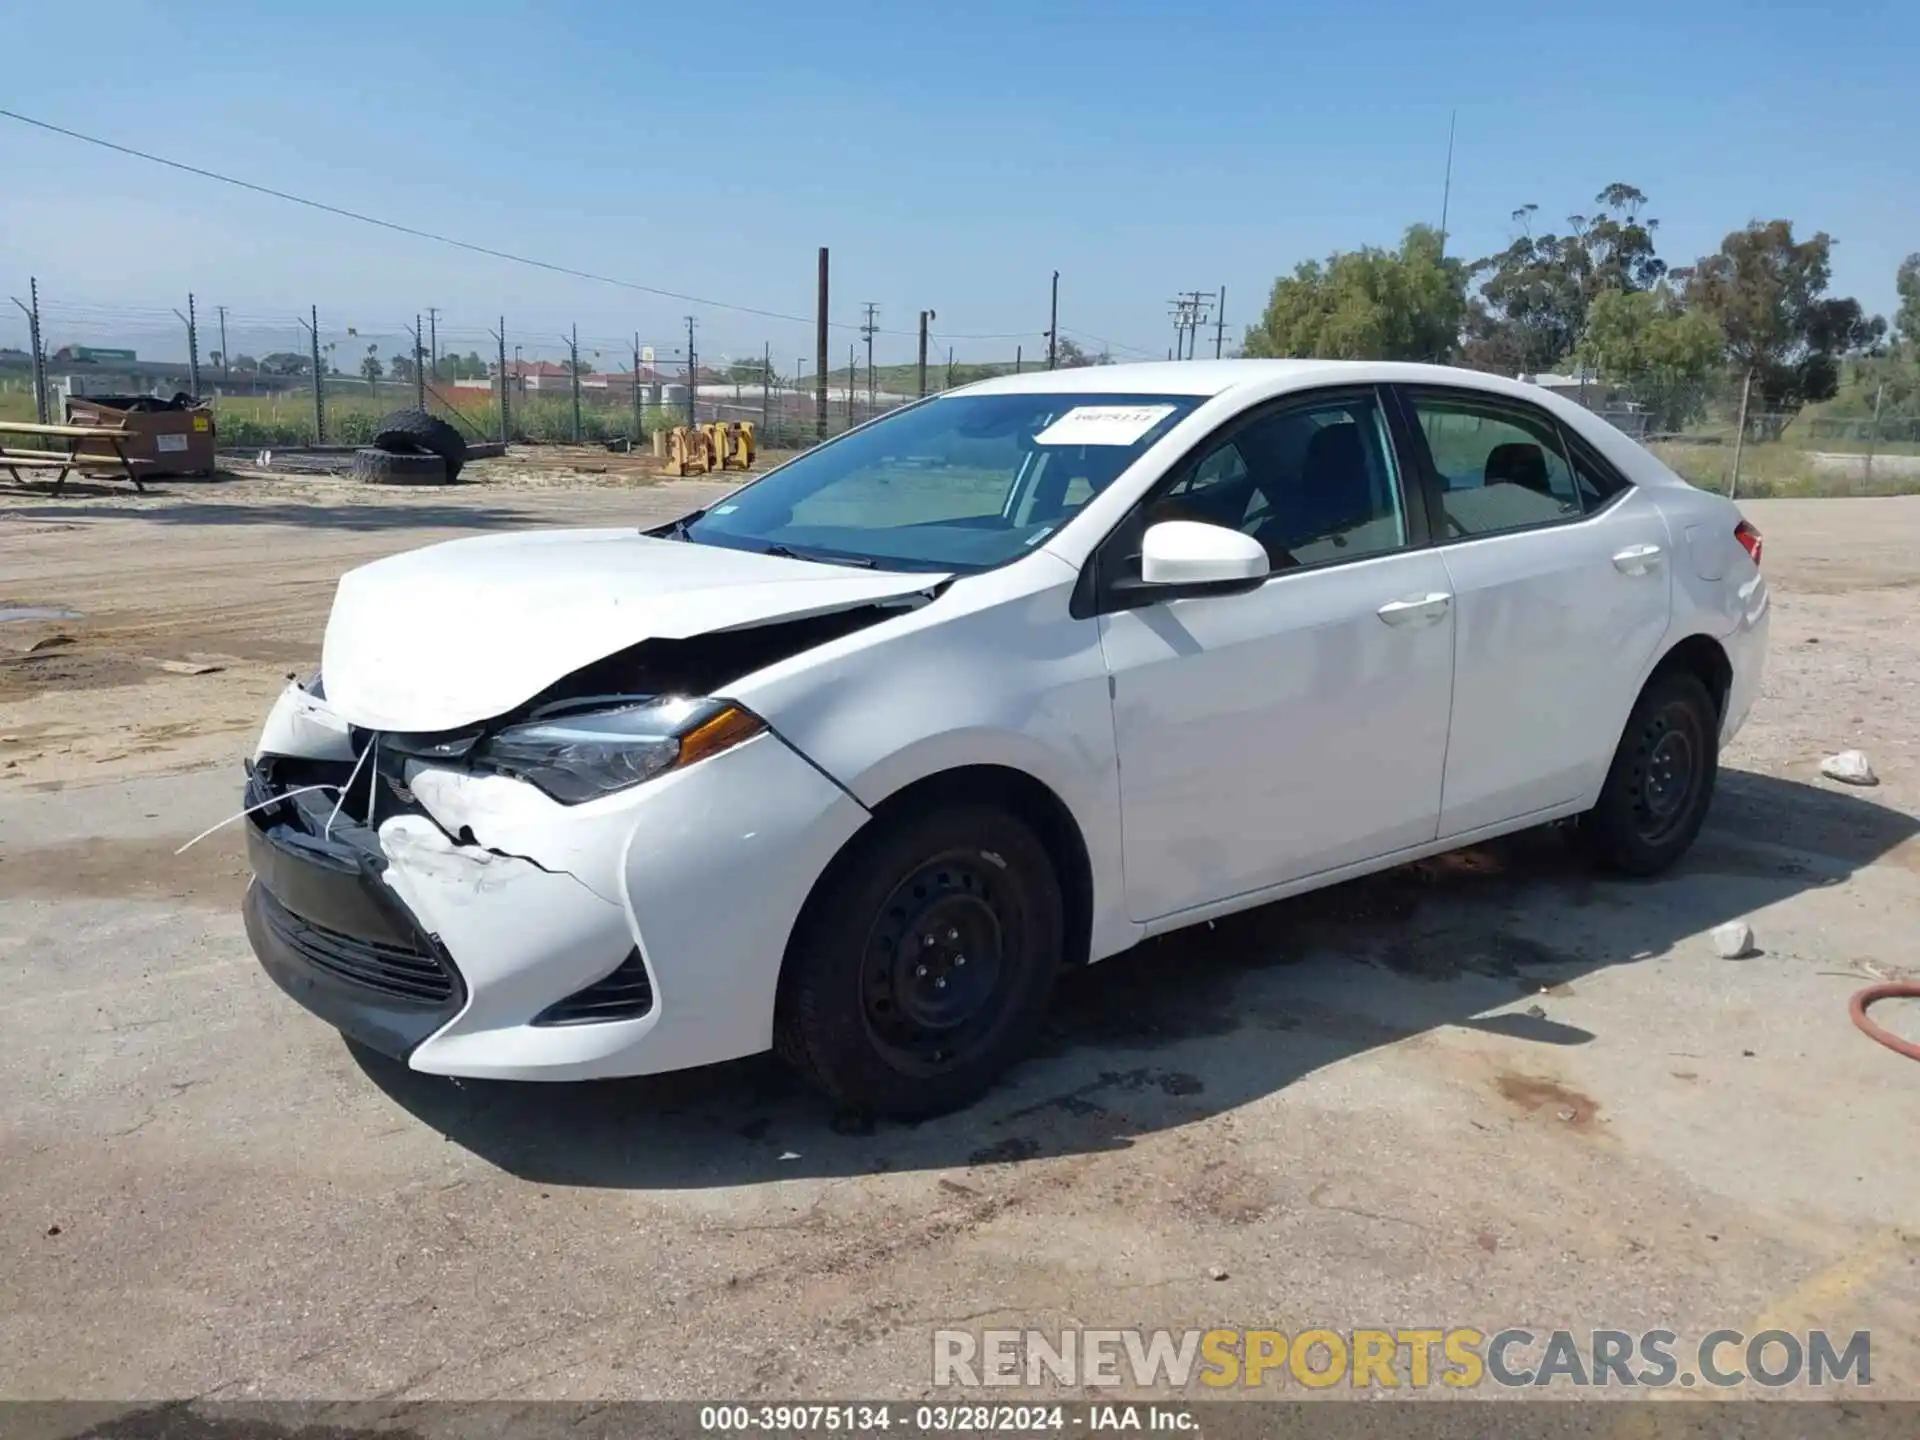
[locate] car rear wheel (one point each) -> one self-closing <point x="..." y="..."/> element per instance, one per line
<point x="922" y="967"/>
<point x="1661" y="783"/>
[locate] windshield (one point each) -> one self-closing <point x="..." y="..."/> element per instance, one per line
<point x="965" y="482"/>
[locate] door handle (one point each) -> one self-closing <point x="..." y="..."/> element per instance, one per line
<point x="1425" y="609"/>
<point x="1637" y="559"/>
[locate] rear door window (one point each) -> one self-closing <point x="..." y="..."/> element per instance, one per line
<point x="1499" y="466"/>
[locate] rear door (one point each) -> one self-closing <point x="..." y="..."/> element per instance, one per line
<point x="1561" y="575"/>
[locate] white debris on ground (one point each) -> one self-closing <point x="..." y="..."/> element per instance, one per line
<point x="1850" y="767"/>
<point x="1733" y="940"/>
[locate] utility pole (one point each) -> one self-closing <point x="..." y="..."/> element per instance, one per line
<point x="925" y="316"/>
<point x="1446" y="190"/>
<point x="1189" y="314"/>
<point x="850" y="364"/>
<point x="319" y="381"/>
<point x="1220" y="324"/>
<point x="419" y="368"/>
<point x="1053" y="323"/>
<point x="766" y="386"/>
<point x="1016" y="359"/>
<point x="226" y="360"/>
<point x="820" y="354"/>
<point x="433" y="340"/>
<point x="572" y="342"/>
<point x="693" y="376"/>
<point x="32" y="312"/>
<point x="868" y="329"/>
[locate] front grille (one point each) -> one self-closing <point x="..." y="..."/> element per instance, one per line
<point x="626" y="994"/>
<point x="409" y="973"/>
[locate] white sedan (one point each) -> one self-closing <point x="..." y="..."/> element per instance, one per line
<point x="853" y="762"/>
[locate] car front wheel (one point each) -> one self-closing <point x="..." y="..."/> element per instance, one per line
<point x="1661" y="782"/>
<point x="923" y="965"/>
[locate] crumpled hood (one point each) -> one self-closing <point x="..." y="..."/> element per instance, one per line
<point x="465" y="630"/>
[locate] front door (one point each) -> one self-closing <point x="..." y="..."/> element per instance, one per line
<point x="1562" y="574"/>
<point x="1298" y="727"/>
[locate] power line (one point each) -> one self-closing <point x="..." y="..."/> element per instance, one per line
<point x="1106" y="344"/>
<point x="437" y="238"/>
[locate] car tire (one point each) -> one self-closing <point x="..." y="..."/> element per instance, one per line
<point x="877" y="1005"/>
<point x="407" y="431"/>
<point x="1660" y="785"/>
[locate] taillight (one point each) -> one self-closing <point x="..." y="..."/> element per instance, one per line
<point x="1749" y="539"/>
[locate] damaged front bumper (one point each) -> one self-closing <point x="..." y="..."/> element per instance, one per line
<point x="470" y="925"/>
<point x="332" y="935"/>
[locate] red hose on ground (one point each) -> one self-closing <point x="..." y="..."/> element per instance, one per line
<point x="1857" y="1008"/>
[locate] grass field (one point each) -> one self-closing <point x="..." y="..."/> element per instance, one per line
<point x="1786" y="470"/>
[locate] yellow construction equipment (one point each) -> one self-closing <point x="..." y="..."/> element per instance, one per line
<point x="715" y="432"/>
<point x="732" y="444"/>
<point x="689" y="451"/>
<point x="697" y="449"/>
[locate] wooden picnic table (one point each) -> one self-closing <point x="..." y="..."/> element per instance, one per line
<point x="61" y="450"/>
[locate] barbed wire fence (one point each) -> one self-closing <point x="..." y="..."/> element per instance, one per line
<point x="544" y="382"/>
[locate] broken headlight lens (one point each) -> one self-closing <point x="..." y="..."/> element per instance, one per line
<point x="583" y="756"/>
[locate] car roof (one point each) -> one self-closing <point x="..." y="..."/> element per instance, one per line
<point x="1220" y="377"/>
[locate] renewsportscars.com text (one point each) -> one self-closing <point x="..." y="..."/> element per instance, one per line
<point x="1460" y="1358"/>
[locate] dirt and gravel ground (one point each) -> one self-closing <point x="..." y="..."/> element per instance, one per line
<point x="1489" y="1091"/>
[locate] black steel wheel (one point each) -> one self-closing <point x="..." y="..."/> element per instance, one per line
<point x="1668" y="772"/>
<point x="922" y="966"/>
<point x="1660" y="786"/>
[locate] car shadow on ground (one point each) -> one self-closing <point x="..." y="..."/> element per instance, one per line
<point x="398" y="515"/>
<point x="1201" y="1021"/>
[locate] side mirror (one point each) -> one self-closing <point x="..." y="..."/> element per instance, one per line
<point x="1186" y="557"/>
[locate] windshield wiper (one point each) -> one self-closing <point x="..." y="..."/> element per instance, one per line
<point x="678" y="529"/>
<point x="787" y="552"/>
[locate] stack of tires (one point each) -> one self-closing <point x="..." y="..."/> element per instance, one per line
<point x="411" y="447"/>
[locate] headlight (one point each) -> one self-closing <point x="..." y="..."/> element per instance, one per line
<point x="598" y="752"/>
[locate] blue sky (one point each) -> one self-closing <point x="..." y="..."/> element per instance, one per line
<point x="950" y="156"/>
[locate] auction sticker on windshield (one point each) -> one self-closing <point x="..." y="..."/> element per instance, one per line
<point x="1103" y="425"/>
